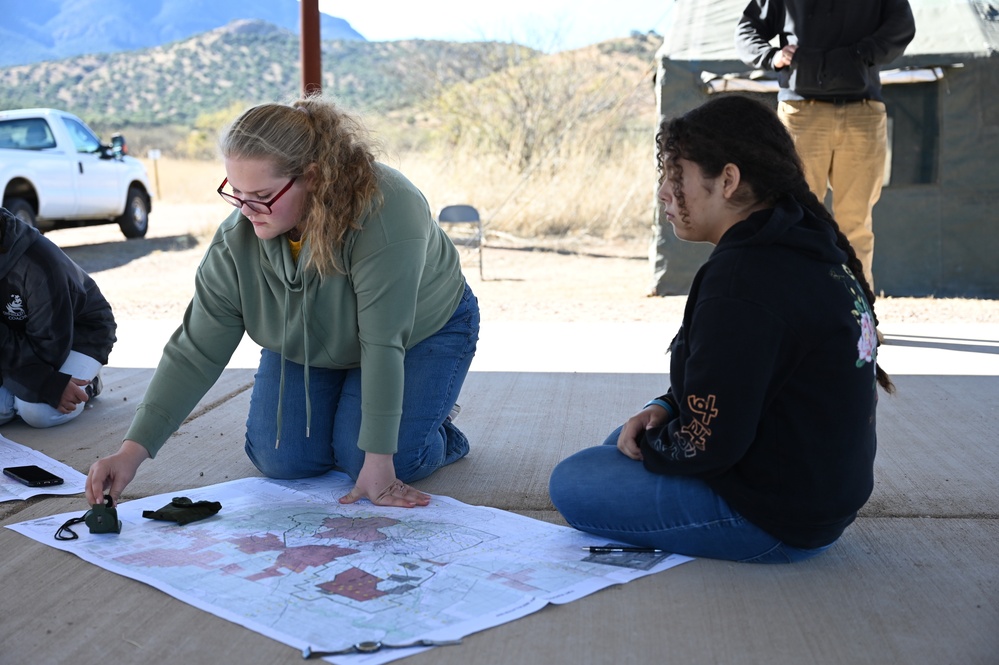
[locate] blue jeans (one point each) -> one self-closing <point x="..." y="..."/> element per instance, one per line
<point x="601" y="491"/>
<point x="434" y="372"/>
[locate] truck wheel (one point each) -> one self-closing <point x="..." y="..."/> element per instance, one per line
<point x="134" y="222"/>
<point x="21" y="209"/>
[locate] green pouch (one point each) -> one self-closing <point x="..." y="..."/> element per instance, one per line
<point x="102" y="519"/>
<point x="184" y="511"/>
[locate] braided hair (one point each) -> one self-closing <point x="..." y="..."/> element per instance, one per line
<point x="732" y="129"/>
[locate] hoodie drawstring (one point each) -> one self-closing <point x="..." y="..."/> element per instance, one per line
<point x="308" y="394"/>
<point x="284" y="341"/>
<point x="308" y="397"/>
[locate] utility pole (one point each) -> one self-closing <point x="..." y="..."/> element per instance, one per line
<point x="312" y="62"/>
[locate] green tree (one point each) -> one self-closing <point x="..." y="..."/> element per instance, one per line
<point x="200" y="143"/>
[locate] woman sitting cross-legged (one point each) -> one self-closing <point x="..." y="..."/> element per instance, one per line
<point x="762" y="448"/>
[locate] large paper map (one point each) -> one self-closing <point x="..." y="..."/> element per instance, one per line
<point x="286" y="560"/>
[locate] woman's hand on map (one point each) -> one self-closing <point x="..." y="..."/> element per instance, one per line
<point x="377" y="483"/>
<point x="111" y="474"/>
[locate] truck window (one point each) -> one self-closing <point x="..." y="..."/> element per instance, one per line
<point x="83" y="138"/>
<point x="26" y="134"/>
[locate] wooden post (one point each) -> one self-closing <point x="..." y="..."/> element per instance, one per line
<point x="154" y="155"/>
<point x="312" y="63"/>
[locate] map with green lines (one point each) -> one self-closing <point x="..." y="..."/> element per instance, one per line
<point x="286" y="560"/>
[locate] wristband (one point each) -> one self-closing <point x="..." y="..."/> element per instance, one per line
<point x="664" y="404"/>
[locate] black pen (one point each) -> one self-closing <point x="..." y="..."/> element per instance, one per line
<point x="608" y="549"/>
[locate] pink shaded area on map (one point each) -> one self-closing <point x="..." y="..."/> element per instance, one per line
<point x="363" y="530"/>
<point x="166" y="558"/>
<point x="355" y="584"/>
<point x="297" y="559"/>
<point x="257" y="544"/>
<point x="518" y="580"/>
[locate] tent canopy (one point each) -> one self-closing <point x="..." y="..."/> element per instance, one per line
<point x="935" y="224"/>
<point x="703" y="33"/>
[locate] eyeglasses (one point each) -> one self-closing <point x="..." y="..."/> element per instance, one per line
<point x="259" y="207"/>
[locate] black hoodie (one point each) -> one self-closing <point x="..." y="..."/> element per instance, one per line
<point x="842" y="44"/>
<point x="48" y="307"/>
<point x="773" y="375"/>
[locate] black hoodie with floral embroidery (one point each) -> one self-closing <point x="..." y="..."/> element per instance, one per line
<point x="773" y="374"/>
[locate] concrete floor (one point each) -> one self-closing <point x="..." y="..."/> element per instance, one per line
<point x="914" y="580"/>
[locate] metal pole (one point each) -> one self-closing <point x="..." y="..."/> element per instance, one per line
<point x="312" y="63"/>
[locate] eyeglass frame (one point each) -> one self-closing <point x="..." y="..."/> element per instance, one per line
<point x="233" y="200"/>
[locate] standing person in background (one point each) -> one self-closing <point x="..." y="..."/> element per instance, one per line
<point x="762" y="450"/>
<point x="827" y="64"/>
<point x="334" y="265"/>
<point x="56" y="329"/>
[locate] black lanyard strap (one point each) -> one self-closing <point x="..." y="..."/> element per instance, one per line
<point x="69" y="533"/>
<point x="100" y="519"/>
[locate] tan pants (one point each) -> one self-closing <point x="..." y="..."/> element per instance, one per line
<point x="843" y="148"/>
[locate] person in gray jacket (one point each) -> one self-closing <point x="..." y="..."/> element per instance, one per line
<point x="827" y="62"/>
<point x="56" y="329"/>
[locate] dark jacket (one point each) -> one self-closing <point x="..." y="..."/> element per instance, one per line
<point x="773" y="374"/>
<point x="49" y="307"/>
<point x="841" y="44"/>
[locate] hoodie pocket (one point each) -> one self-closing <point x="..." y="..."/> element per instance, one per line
<point x="829" y="73"/>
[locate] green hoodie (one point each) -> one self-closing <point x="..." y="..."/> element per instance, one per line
<point x="401" y="283"/>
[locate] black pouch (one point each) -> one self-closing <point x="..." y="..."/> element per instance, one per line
<point x="838" y="72"/>
<point x="183" y="511"/>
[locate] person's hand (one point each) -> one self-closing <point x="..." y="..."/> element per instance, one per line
<point x="650" y="417"/>
<point x="377" y="483"/>
<point x="72" y="395"/>
<point x="111" y="474"/>
<point x="783" y="57"/>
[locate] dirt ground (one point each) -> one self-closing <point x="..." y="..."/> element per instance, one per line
<point x="567" y="281"/>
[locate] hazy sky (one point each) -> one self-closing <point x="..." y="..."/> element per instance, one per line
<point x="549" y="25"/>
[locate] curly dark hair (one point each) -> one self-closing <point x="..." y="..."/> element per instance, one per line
<point x="732" y="129"/>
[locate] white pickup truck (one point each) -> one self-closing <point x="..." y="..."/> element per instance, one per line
<point x="55" y="173"/>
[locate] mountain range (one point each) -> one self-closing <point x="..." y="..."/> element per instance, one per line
<point x="246" y="61"/>
<point x="40" y="30"/>
<point x="184" y="86"/>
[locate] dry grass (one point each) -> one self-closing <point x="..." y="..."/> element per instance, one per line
<point x="586" y="279"/>
<point x="185" y="181"/>
<point x="558" y="148"/>
<point x="608" y="197"/>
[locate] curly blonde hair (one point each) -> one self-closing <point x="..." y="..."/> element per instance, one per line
<point x="312" y="137"/>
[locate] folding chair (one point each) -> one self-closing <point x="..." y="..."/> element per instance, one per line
<point x="464" y="214"/>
